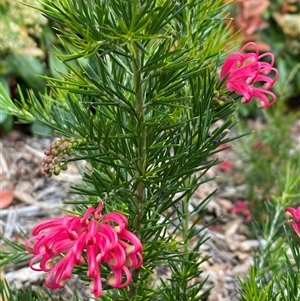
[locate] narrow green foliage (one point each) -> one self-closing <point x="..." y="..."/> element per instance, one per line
<point x="290" y="282"/>
<point x="254" y="290"/>
<point x="9" y="293"/>
<point x="139" y="91"/>
<point x="275" y="273"/>
<point x="265" y="154"/>
<point x="15" y="254"/>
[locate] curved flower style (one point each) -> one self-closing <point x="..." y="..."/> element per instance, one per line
<point x="61" y="243"/>
<point x="293" y="216"/>
<point x="248" y="76"/>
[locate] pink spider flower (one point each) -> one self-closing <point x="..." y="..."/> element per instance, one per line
<point x="293" y="216"/>
<point x="248" y="76"/>
<point x="241" y="208"/>
<point x="59" y="244"/>
<point x="226" y="165"/>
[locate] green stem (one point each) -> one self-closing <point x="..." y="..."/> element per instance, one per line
<point x="142" y="154"/>
<point x="271" y="232"/>
<point x="186" y="224"/>
<point x="185" y="236"/>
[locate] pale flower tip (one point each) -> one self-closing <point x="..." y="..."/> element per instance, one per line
<point x="92" y="285"/>
<point x="117" y="229"/>
<point x="98" y="257"/>
<point x="260" y="105"/>
<point x="42" y="249"/>
<point x="288" y="215"/>
<point x="128" y="262"/>
<point x="238" y="64"/>
<point x="62" y="282"/>
<point x="130" y="249"/>
<point x="249" y="80"/>
<point x="111" y="279"/>
<point x="97" y="292"/>
<point x="49" y="265"/>
<point x="113" y="262"/>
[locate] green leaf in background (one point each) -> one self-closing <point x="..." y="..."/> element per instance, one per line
<point x="29" y="69"/>
<point x="40" y="130"/>
<point x="3" y="115"/>
<point x="6" y="120"/>
<point x="56" y="66"/>
<point x="4" y="83"/>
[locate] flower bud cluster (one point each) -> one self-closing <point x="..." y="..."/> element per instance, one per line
<point x="222" y="99"/>
<point x="56" y="154"/>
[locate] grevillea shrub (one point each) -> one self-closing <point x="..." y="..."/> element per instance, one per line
<point x="145" y="103"/>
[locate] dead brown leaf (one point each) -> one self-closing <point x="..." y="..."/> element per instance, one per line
<point x="6" y="198"/>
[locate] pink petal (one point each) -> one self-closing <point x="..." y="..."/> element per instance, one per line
<point x="87" y="214"/>
<point x="110" y="232"/>
<point x="117" y="218"/>
<point x="295" y="213"/>
<point x="116" y="258"/>
<point x="296" y="227"/>
<point x="231" y="60"/>
<point x="115" y="279"/>
<point x="61" y="272"/>
<point x="242" y="89"/>
<point x="93" y="264"/>
<point x="134" y="260"/>
<point x="261" y="94"/>
<point x="268" y="54"/>
<point x="135" y="246"/>
<point x="251" y="44"/>
<point x="96" y="285"/>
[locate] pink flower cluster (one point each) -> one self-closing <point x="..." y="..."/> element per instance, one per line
<point x="241" y="208"/>
<point x="248" y="76"/>
<point x="61" y="243"/>
<point x="293" y="216"/>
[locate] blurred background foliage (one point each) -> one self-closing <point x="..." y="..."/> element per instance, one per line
<point x="274" y="26"/>
<point x="28" y="47"/>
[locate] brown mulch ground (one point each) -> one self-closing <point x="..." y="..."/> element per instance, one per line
<point x="35" y="197"/>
